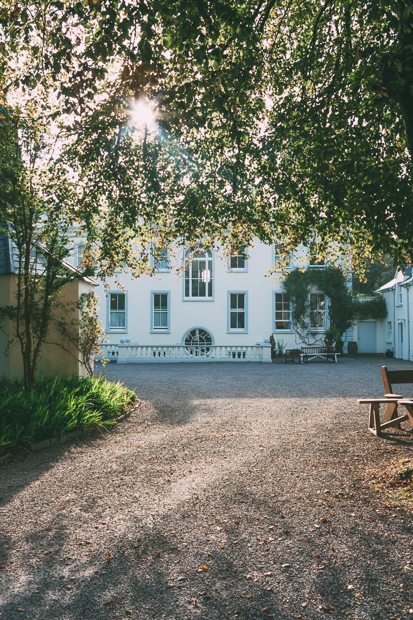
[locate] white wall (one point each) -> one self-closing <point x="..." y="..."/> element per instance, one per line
<point x="399" y="313"/>
<point x="210" y="315"/>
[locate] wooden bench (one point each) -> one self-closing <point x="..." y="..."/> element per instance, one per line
<point x="392" y="400"/>
<point x="328" y="354"/>
<point x="375" y="425"/>
<point x="390" y="378"/>
<point x="291" y="355"/>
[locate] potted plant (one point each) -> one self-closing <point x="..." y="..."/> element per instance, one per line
<point x="352" y="348"/>
<point x="339" y="344"/>
<point x="273" y="351"/>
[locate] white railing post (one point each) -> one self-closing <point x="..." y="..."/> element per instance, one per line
<point x="123" y="354"/>
<point x="265" y="351"/>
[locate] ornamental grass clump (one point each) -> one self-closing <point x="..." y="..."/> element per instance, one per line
<point x="58" y="406"/>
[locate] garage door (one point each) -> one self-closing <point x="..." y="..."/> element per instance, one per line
<point x="366" y="336"/>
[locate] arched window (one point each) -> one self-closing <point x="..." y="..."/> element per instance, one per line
<point x="198" y="276"/>
<point x="198" y="342"/>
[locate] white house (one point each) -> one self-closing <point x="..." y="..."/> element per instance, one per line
<point x="394" y="333"/>
<point x="211" y="307"/>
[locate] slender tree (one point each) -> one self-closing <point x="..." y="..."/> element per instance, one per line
<point x="33" y="219"/>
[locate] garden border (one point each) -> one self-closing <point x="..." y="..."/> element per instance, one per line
<point x="55" y="441"/>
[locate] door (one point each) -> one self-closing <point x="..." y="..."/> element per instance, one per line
<point x="400" y="351"/>
<point x="367" y="337"/>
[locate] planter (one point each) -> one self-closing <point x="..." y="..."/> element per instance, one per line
<point x="352" y="348"/>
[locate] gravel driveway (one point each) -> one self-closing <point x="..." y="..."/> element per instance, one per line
<point x="235" y="491"/>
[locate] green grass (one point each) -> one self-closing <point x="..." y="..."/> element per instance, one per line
<point x="57" y="406"/>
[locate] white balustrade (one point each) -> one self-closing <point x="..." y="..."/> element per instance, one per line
<point x="132" y="353"/>
<point x="109" y="352"/>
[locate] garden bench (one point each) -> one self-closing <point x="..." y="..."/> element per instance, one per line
<point x="391" y="417"/>
<point x="291" y="355"/>
<point x="390" y="378"/>
<point x="326" y="353"/>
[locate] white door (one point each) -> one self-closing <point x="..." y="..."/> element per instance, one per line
<point x="366" y="336"/>
<point x="400" y="356"/>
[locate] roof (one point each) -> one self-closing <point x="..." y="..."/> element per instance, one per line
<point x="402" y="278"/>
<point x="9" y="260"/>
<point x="387" y="286"/>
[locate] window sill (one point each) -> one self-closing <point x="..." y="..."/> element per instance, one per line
<point x="198" y="299"/>
<point x="237" y="270"/>
<point x="116" y="331"/>
<point x="399" y="305"/>
<point x="160" y="331"/>
<point x="283" y="331"/>
<point x="237" y="331"/>
<point x="162" y="270"/>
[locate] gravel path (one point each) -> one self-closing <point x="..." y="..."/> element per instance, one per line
<point x="235" y="491"/>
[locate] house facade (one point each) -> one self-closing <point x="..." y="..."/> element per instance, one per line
<point x="208" y="306"/>
<point x="394" y="333"/>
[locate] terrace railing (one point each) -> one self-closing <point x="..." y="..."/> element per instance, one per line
<point x="134" y="354"/>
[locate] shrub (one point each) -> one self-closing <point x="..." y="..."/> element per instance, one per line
<point x="57" y="406"/>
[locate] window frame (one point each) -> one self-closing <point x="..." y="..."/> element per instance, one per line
<point x="238" y="269"/>
<point x="389" y="331"/>
<point x="116" y="330"/>
<point x="275" y="247"/>
<point x="76" y="253"/>
<point x="318" y="329"/>
<point x="236" y="330"/>
<point x="274" y="309"/>
<point x="400" y="295"/>
<point x="160" y="330"/>
<point x="319" y="265"/>
<point x="190" y="262"/>
<point x="204" y="329"/>
<point x="157" y="265"/>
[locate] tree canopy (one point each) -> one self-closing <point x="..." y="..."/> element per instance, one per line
<point x="282" y="119"/>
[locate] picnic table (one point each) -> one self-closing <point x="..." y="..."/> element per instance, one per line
<point x="306" y="354"/>
<point x="329" y="354"/>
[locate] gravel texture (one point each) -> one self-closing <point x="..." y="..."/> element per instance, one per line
<point x="235" y="491"/>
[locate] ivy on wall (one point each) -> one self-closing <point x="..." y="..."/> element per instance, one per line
<point x="373" y="309"/>
<point x="343" y="309"/>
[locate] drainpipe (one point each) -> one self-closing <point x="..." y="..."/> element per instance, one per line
<point x="395" y="336"/>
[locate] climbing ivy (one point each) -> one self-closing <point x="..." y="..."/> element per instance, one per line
<point x="343" y="310"/>
<point x="372" y="309"/>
